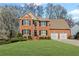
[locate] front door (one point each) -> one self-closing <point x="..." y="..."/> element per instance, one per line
<point x="35" y="32"/>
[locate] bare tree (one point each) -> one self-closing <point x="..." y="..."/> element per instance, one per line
<point x="40" y="11"/>
<point x="59" y="12"/>
<point x="8" y="19"/>
<point x="69" y="20"/>
<point x="49" y="11"/>
<point x="55" y="11"/>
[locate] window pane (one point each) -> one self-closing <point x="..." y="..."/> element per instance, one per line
<point x="43" y="32"/>
<point x="43" y="23"/>
<point x="26" y="31"/>
<point x="25" y="22"/>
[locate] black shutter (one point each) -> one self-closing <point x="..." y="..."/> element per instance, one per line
<point x="29" y="22"/>
<point x="39" y="32"/>
<point x="46" y="32"/>
<point x="22" y="32"/>
<point x="39" y="23"/>
<point x="29" y="32"/>
<point x="22" y="22"/>
<point x="46" y="23"/>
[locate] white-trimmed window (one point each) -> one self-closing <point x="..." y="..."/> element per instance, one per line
<point x="26" y="31"/>
<point x="43" y="23"/>
<point x="43" y="32"/>
<point x="25" y="22"/>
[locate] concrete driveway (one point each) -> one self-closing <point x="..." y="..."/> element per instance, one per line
<point x="70" y="41"/>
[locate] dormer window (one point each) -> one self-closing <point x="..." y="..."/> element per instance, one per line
<point x="25" y="22"/>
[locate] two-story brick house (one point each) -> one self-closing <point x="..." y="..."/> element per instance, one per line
<point x="38" y="27"/>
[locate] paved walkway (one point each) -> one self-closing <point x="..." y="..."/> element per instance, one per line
<point x="70" y="41"/>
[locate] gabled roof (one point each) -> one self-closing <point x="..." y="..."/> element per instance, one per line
<point x="43" y="19"/>
<point x="58" y="24"/>
<point x="28" y="14"/>
<point x="36" y="18"/>
<point x="31" y="15"/>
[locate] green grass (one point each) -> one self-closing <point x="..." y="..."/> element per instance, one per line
<point x="38" y="48"/>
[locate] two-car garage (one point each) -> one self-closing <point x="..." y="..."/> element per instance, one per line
<point x="55" y="35"/>
<point x="59" y="29"/>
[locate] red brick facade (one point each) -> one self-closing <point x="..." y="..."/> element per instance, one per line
<point x="37" y="30"/>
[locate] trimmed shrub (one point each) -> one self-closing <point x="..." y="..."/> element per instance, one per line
<point x="18" y="39"/>
<point x="14" y="40"/>
<point x="41" y="38"/>
<point x="22" y="39"/>
<point x="77" y="36"/>
<point x="19" y="35"/>
<point x="45" y="38"/>
<point x="71" y="37"/>
<point x="48" y="38"/>
<point x="29" y="37"/>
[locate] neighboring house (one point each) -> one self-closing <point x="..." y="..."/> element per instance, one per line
<point x="74" y="30"/>
<point x="38" y="27"/>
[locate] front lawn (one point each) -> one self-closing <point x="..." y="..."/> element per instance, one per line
<point x="38" y="48"/>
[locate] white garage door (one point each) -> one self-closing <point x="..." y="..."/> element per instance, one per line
<point x="63" y="35"/>
<point x="54" y="35"/>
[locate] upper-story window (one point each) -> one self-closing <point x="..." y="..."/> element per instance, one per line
<point x="25" y="22"/>
<point x="43" y="23"/>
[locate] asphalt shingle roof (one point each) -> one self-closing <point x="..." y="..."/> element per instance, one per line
<point x="59" y="24"/>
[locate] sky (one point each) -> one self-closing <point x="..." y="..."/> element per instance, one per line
<point x="72" y="8"/>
